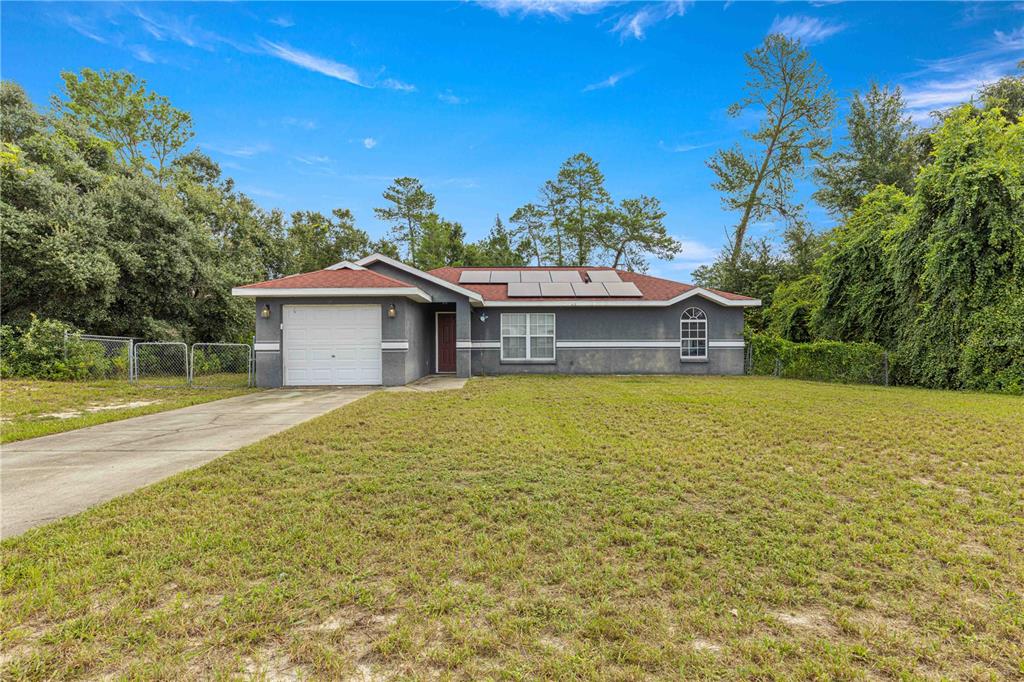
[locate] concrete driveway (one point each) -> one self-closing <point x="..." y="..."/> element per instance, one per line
<point x="44" y="479"/>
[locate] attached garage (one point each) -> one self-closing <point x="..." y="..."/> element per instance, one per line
<point x="329" y="345"/>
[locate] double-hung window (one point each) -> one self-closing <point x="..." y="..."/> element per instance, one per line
<point x="693" y="335"/>
<point x="527" y="336"/>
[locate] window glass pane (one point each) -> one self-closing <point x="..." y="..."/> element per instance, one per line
<point x="513" y="323"/>
<point x="514" y="347"/>
<point x="542" y="323"/>
<point x="542" y="347"/>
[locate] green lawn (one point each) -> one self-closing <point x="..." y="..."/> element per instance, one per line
<point x="560" y="528"/>
<point x="31" y="408"/>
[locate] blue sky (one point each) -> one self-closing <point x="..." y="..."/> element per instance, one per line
<point x="317" y="105"/>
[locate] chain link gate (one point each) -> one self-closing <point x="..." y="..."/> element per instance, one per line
<point x="220" y="365"/>
<point x="161" y="364"/>
<point x="110" y="356"/>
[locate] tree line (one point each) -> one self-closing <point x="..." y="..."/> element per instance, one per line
<point x="113" y="224"/>
<point x="927" y="254"/>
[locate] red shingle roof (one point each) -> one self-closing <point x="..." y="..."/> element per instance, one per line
<point x="344" y="278"/>
<point x="651" y="288"/>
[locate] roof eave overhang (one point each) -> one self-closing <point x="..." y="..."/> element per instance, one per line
<point x="325" y="292"/>
<point x="474" y="297"/>
<point x="627" y="303"/>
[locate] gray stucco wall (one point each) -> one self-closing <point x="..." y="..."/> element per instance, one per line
<point x="396" y="366"/>
<point x="618" y="324"/>
<point x="439" y="294"/>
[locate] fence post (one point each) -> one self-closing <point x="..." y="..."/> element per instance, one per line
<point x="65" y="349"/>
<point x="885" y="366"/>
<point x="778" y="367"/>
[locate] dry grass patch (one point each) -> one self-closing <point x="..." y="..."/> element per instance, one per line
<point x="557" y="528"/>
<point x="32" y="408"/>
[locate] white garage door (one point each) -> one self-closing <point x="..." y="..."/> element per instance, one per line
<point x="327" y="345"/>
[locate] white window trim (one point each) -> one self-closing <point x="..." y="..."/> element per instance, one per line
<point x="702" y="319"/>
<point x="529" y="353"/>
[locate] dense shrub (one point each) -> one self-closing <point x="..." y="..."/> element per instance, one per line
<point x="821" y="360"/>
<point x="993" y="356"/>
<point x="40" y="351"/>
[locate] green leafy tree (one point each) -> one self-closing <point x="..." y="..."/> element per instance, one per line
<point x="757" y="272"/>
<point x="442" y="243"/>
<point x="636" y="229"/>
<point x="316" y="241"/>
<point x="881" y="149"/>
<point x="791" y="93"/>
<point x="498" y="249"/>
<point x="146" y="131"/>
<point x="576" y="204"/>
<point x="794" y="308"/>
<point x="1007" y="93"/>
<point x="529" y="223"/>
<point x="962" y="247"/>
<point x="858" y="298"/>
<point x="409" y="206"/>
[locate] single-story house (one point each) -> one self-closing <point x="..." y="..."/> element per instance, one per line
<point x="380" y="321"/>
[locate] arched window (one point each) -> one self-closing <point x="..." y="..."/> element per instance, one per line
<point x="693" y="335"/>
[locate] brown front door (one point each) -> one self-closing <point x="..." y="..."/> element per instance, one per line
<point x="446" y="342"/>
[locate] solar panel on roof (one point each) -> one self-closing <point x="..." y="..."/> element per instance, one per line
<point x="524" y="289"/>
<point x="565" y="276"/>
<point x="622" y="289"/>
<point x="534" y="276"/>
<point x="589" y="289"/>
<point x="556" y="289"/>
<point x="603" y="276"/>
<point x="504" y="277"/>
<point x="475" y="277"/>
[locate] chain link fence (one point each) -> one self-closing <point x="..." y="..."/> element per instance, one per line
<point x="108" y="357"/>
<point x="161" y="364"/>
<point x="221" y="365"/>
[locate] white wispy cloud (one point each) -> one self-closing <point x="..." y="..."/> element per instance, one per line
<point x="808" y="30"/>
<point x="311" y="62"/>
<point x="83" y="27"/>
<point x="142" y="53"/>
<point x="369" y="142"/>
<point x="244" y="151"/>
<point x="395" y="84"/>
<point x="945" y="83"/>
<point x="609" y="82"/>
<point x="693" y="255"/>
<point x="683" y="148"/>
<point x="312" y="159"/>
<point x="448" y="97"/>
<point x="305" y="123"/>
<point x="283" y="22"/>
<point x="635" y="23"/>
<point x="558" y="8"/>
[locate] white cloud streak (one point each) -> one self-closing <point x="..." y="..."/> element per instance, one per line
<point x="635" y="24"/>
<point x="310" y="62"/>
<point x="369" y="142"/>
<point x="395" y="84"/>
<point x="562" y="9"/>
<point x="945" y="83"/>
<point x="609" y="82"/>
<point x="448" y="97"/>
<point x="808" y="30"/>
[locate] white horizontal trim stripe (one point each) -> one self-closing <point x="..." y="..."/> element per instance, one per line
<point x="321" y="292"/>
<point x="394" y="345"/>
<point x="266" y="345"/>
<point x="463" y="344"/>
<point x="726" y="344"/>
<point x="486" y="345"/>
<point x="617" y="344"/>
